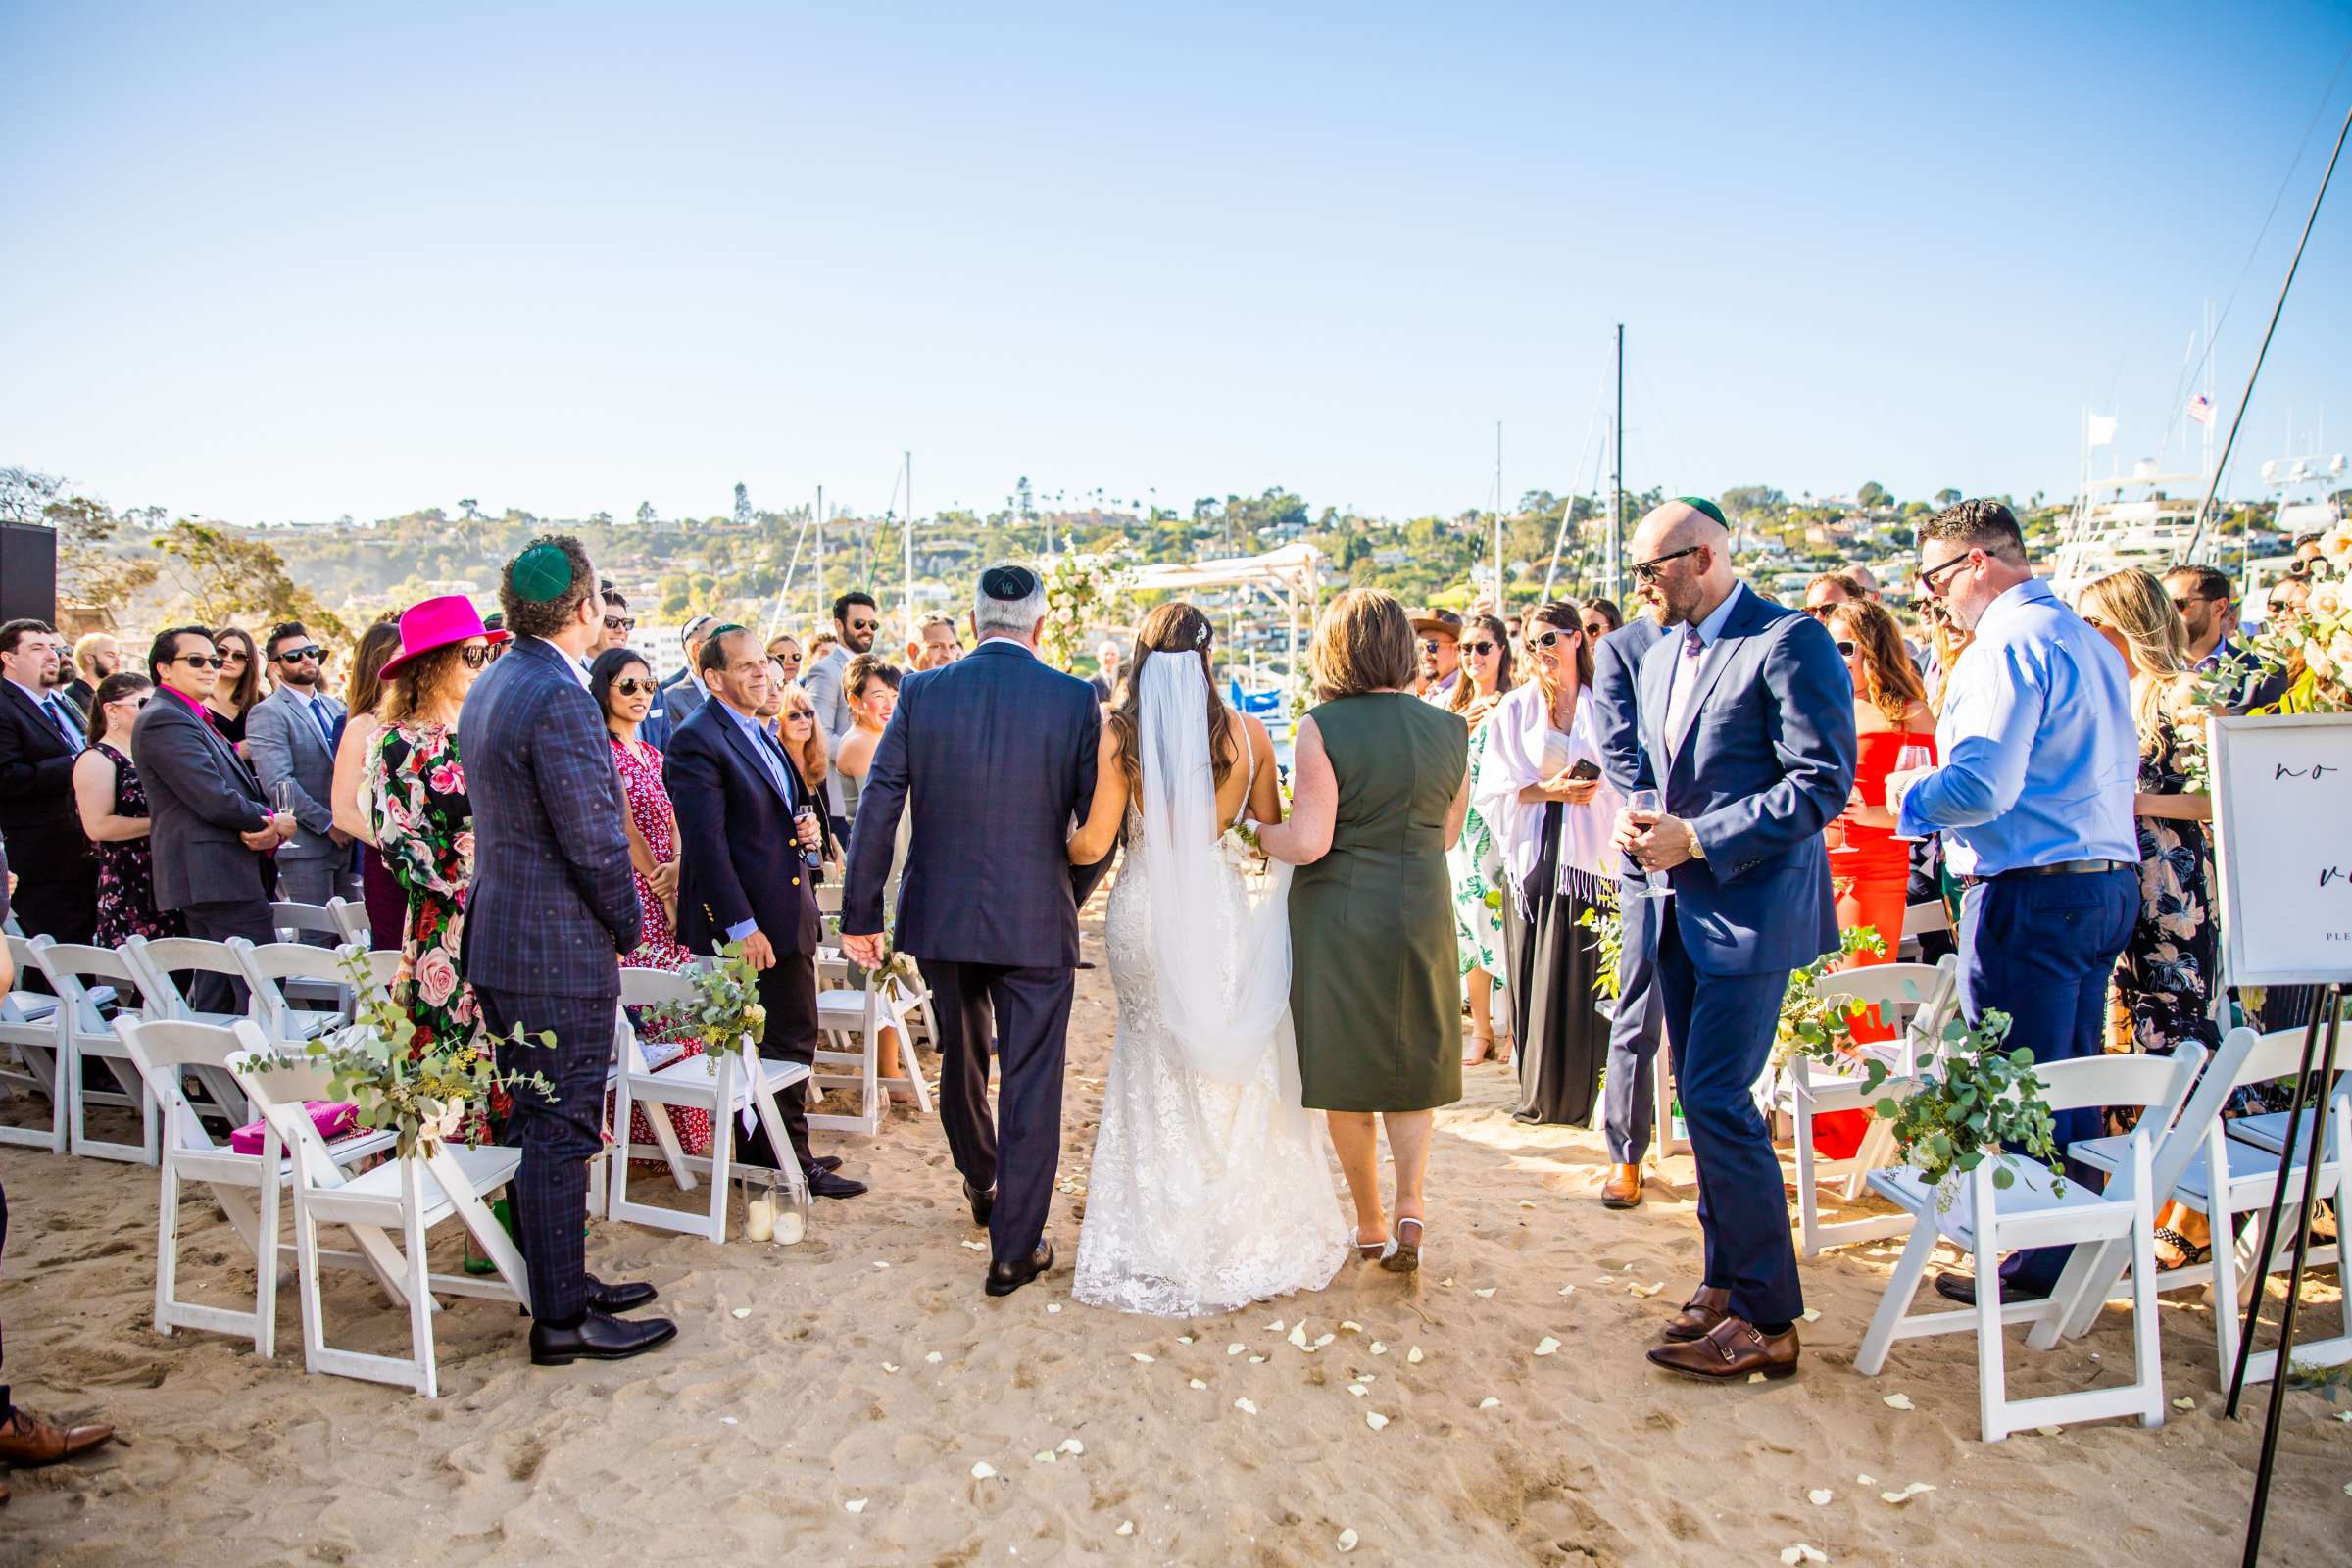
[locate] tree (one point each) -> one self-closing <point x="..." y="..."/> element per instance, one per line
<point x="87" y="570"/>
<point x="1746" y="499"/>
<point x="1947" y="497"/>
<point x="646" y="517"/>
<point x="1872" y="494"/>
<point x="742" y="506"/>
<point x="603" y="519"/>
<point x="225" y="574"/>
<point x="472" y="508"/>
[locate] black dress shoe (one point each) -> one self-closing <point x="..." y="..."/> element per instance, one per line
<point x="625" y="1296"/>
<point x="599" y="1337"/>
<point x="983" y="1201"/>
<point x="823" y="1183"/>
<point x="827" y="1162"/>
<point x="1962" y="1288"/>
<point x="1005" y="1278"/>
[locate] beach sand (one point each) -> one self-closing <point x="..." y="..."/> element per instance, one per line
<point x="871" y="1369"/>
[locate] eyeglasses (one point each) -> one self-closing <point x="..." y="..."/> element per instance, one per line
<point x="201" y="660"/>
<point x="1845" y="648"/>
<point x="1481" y="647"/>
<point x="620" y="623"/>
<point x="1549" y="638"/>
<point x="295" y="655"/>
<point x="1430" y="645"/>
<point x="1648" y="570"/>
<point x="805" y="716"/>
<point x="477" y="658"/>
<point x="630" y="686"/>
<point x="1931" y="577"/>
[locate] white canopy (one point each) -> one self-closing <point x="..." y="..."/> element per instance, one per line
<point x="1290" y="577"/>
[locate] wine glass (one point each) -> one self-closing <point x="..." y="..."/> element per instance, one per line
<point x="1647" y="806"/>
<point x="1909" y="758"/>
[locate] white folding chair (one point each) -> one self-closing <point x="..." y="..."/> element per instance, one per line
<point x="850" y="1021"/>
<point x="409" y="1197"/>
<point x="1919" y="920"/>
<point x="276" y="975"/>
<point x="351" y="920"/>
<point x="155" y="960"/>
<point x="246" y="1186"/>
<point x="1916" y="1000"/>
<point x="88" y="1036"/>
<point x="2227" y="1170"/>
<point x="716" y="1081"/>
<point x="31" y="1026"/>
<point x="1988" y="1220"/>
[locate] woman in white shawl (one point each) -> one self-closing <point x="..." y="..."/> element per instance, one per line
<point x="1541" y="794"/>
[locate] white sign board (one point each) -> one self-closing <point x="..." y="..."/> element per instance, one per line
<point x="2283" y="809"/>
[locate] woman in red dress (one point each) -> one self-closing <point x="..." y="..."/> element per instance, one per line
<point x="623" y="686"/>
<point x="1869" y="867"/>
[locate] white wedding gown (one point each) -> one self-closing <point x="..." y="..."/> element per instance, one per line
<point x="1205" y="1195"/>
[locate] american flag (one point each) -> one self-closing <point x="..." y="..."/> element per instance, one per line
<point x="2200" y="409"/>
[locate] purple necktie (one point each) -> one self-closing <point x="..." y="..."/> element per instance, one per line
<point x="1686" y="686"/>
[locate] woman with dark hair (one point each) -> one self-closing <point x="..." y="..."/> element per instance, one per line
<point x="1472" y="864"/>
<point x="113" y="817"/>
<point x="355" y="810"/>
<point x="240" y="685"/>
<point x="423" y="822"/>
<point x="1542" y="793"/>
<point x="1375" y="976"/>
<point x="1599" y="616"/>
<point x="1211" y="1187"/>
<point x="871" y="685"/>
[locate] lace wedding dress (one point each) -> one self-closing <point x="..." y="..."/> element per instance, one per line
<point x="1212" y="1187"/>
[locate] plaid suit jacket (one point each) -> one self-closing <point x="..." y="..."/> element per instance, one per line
<point x="553" y="904"/>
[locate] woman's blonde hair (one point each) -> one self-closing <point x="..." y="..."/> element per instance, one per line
<point x="810" y="759"/>
<point x="1363" y="643"/>
<point x="2135" y="606"/>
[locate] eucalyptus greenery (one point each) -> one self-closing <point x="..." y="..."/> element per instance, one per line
<point x="376" y="1066"/>
<point x="1977" y="1102"/>
<point x="1821" y="1027"/>
<point x="725" y="1006"/>
<point x="1608" y="940"/>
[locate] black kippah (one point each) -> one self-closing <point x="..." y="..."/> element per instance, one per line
<point x="1011" y="585"/>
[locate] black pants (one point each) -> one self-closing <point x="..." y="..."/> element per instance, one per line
<point x="788" y="991"/>
<point x="217" y="922"/>
<point x="6" y="1409"/>
<point x="1025" y="1014"/>
<point x="558" y="1133"/>
<point x="57" y="886"/>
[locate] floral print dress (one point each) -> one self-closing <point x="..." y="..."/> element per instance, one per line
<point x="657" y="822"/>
<point x="1474" y="866"/>
<point x="424" y="829"/>
<point x="126" y="870"/>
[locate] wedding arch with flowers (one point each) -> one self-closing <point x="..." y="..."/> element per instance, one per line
<point x="2314" y="646"/>
<point x="1079" y="590"/>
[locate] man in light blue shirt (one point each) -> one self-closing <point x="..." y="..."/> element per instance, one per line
<point x="2033" y="800"/>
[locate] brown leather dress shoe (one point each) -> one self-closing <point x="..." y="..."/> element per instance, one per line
<point x="27" y="1441"/>
<point x="1699" y="1314"/>
<point x="1623" y="1188"/>
<point x="1731" y="1349"/>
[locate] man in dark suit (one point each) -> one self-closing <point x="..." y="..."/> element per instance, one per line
<point x="743" y="872"/>
<point x="1747" y="731"/>
<point x="552" y="908"/>
<point x="40" y="739"/>
<point x="290" y="740"/>
<point x="993" y="755"/>
<point x="1629" y="1085"/>
<point x="212" y="832"/>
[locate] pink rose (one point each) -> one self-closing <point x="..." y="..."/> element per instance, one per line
<point x="464" y="845"/>
<point x="436" y="978"/>
<point x="449" y="779"/>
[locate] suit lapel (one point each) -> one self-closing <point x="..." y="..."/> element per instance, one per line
<point x="749" y="749"/>
<point x="1710" y="667"/>
<point x="38" y="716"/>
<point x="1655" y="676"/>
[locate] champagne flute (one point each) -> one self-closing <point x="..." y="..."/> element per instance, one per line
<point x="1645" y="807"/>
<point x="1909" y="759"/>
<point x="281" y="801"/>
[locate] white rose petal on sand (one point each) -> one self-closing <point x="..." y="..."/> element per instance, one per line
<point x="1802" y="1553"/>
<point x="1819" y="1496"/>
<point x="1375" y="1420"/>
<point x="1484" y="1292"/>
<point x="1348" y="1539"/>
<point x="1070" y="1445"/>
<point x="1245" y="1405"/>
<point x="1141" y="1357"/>
<point x="1545" y="1345"/>
<point x="1126" y="1528"/>
<point x="1489" y="1402"/>
<point x="1413" y="1357"/>
<point x="855" y="1506"/>
<point x="1236" y="1348"/>
<point x="1897" y="1401"/>
<point x="1198" y="1384"/>
<point x="983" y="1470"/>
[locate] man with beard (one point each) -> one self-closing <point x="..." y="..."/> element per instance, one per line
<point x="855" y="621"/>
<point x="1441" y="652"/>
<point x="290" y="740"/>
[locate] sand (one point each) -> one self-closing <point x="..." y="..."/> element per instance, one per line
<point x="871" y="1369"/>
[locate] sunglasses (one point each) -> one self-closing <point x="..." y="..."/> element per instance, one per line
<point x="1820" y="611"/>
<point x="1845" y="648"/>
<point x="620" y="623"/>
<point x="2282" y="607"/>
<point x="1430" y="645"/>
<point x="865" y="625"/>
<point x="1930" y="578"/>
<point x="477" y="658"/>
<point x="1650" y="570"/>
<point x="630" y="686"/>
<point x="1481" y="647"/>
<point x="201" y="660"/>
<point x="237" y="657"/>
<point x="1550" y="637"/>
<point x="807" y="715"/>
<point x="295" y="655"/>
<point x="1596" y="629"/>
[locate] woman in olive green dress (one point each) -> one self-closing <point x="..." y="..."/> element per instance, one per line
<point x="1378" y="793"/>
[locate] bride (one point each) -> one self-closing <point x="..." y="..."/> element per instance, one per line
<point x="1211" y="1187"/>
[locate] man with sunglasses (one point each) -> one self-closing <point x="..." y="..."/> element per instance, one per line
<point x="1747" y="729"/>
<point x="1439" y="646"/>
<point x="856" y="621"/>
<point x="290" y="741"/>
<point x="2034" y="800"/>
<point x="212" y="828"/>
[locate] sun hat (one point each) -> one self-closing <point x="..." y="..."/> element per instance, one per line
<point x="436" y="623"/>
<point x="1437" y="623"/>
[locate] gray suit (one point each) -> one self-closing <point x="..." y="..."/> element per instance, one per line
<point x="822" y="682"/>
<point x="681" y="695"/>
<point x="284" y="741"/>
<point x="200" y="801"/>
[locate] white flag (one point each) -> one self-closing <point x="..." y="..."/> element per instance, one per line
<point x="2102" y="429"/>
<point x="2200" y="409"/>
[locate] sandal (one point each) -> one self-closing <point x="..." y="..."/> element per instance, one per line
<point x="2191" y="1255"/>
<point x="1372" y="1251"/>
<point x="1481" y="1046"/>
<point x="1406" y="1257"/>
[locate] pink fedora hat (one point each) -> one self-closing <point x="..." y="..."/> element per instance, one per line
<point x="436" y="623"/>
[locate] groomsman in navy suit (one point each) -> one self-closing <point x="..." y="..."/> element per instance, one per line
<point x="744" y="871"/>
<point x="1747" y="731"/>
<point x="1630" y="1087"/>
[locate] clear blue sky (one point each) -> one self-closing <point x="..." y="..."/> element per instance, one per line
<point x="292" y="261"/>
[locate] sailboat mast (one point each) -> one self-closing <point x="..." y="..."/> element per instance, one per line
<point x="1501" y="609"/>
<point x="908" y="563"/>
<point x="821" y="555"/>
<point x="1617" y="484"/>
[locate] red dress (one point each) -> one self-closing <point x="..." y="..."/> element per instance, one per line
<point x="650" y="810"/>
<point x="1871" y="871"/>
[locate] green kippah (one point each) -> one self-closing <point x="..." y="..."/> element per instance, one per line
<point x="540" y="573"/>
<point x="1702" y="503"/>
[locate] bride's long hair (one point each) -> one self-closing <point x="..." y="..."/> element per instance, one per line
<point x="1173" y="630"/>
